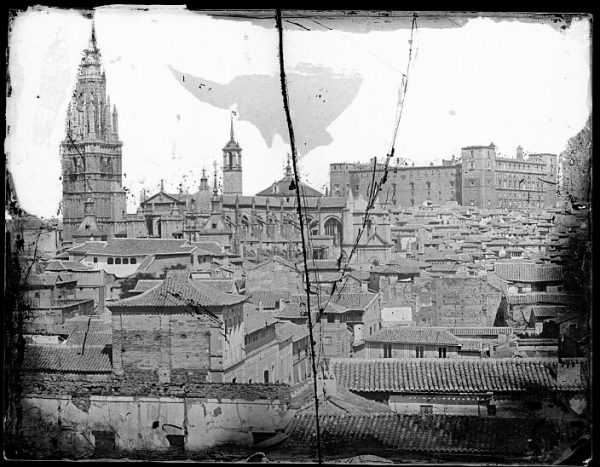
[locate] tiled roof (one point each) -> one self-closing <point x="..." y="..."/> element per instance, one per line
<point x="175" y="293"/>
<point x="413" y="335"/>
<point x="528" y="272"/>
<point x="146" y="284"/>
<point x="225" y="285"/>
<point x="547" y="311"/>
<point x="480" y="331"/>
<point x="77" y="338"/>
<point x="285" y="329"/>
<point x="255" y="320"/>
<point x="47" y="279"/>
<point x="209" y="247"/>
<point x="405" y="267"/>
<point x="84" y="323"/>
<point x="354" y="301"/>
<point x="471" y="345"/>
<point x="67" y="359"/>
<point x="269" y="298"/>
<point x="541" y="297"/>
<point x="133" y="246"/>
<point x="455" y="434"/>
<point x="62" y="265"/>
<point x="422" y="375"/>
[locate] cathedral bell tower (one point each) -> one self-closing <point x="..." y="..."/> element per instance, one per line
<point x="91" y="152"/>
<point x="232" y="165"/>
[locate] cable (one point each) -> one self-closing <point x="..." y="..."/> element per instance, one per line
<point x="294" y="162"/>
<point x="376" y="187"/>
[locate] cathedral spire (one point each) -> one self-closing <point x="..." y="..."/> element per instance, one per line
<point x="215" y="191"/>
<point x="93" y="44"/>
<point x="288" y="167"/>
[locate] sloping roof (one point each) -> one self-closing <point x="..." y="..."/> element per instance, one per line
<point x="90" y="338"/>
<point x="255" y="320"/>
<point x="444" y="375"/>
<point x="146" y="284"/>
<point x="480" y="331"/>
<point x="134" y="247"/>
<point x="62" y="265"/>
<point x="209" y="247"/>
<point x="541" y="297"/>
<point x="285" y="329"/>
<point x="281" y="188"/>
<point x="67" y="359"/>
<point x="471" y="345"/>
<point x="269" y="298"/>
<point x="413" y="335"/>
<point x="404" y="267"/>
<point x="456" y="434"/>
<point x="47" y="279"/>
<point x="550" y="311"/>
<point x="225" y="285"/>
<point x="175" y="293"/>
<point x="528" y="272"/>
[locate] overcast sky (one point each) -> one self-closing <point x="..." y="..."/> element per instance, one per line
<point x="509" y="82"/>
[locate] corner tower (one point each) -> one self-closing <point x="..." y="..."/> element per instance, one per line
<point x="91" y="152"/>
<point x="232" y="166"/>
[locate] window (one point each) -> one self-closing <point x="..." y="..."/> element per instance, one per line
<point x="419" y="351"/>
<point x="125" y="260"/>
<point x="117" y="260"/>
<point x="132" y="261"/>
<point x="330" y="318"/>
<point x="426" y="409"/>
<point x="442" y="352"/>
<point x="491" y="409"/>
<point x="387" y="350"/>
<point x="95" y="260"/>
<point x="110" y="261"/>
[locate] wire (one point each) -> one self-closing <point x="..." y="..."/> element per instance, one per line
<point x="297" y="181"/>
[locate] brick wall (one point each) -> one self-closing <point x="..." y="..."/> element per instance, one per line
<point x="150" y="347"/>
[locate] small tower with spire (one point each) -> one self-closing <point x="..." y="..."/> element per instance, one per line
<point x="232" y="165"/>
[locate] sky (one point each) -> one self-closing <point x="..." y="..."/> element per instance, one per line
<point x="509" y="82"/>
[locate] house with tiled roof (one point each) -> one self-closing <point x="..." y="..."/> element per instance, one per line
<point x="180" y="330"/>
<point x="465" y="386"/>
<point x="125" y="256"/>
<point x="422" y="439"/>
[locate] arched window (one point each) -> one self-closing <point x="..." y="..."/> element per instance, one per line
<point x="333" y="227"/>
<point x="125" y="260"/>
<point x="117" y="260"/>
<point x="110" y="261"/>
<point x="132" y="261"/>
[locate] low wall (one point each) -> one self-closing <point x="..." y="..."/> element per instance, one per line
<point x="53" y="424"/>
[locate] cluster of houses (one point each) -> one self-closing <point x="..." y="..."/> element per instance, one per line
<point x="472" y="317"/>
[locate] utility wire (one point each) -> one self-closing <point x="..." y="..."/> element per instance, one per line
<point x="376" y="187"/>
<point x="297" y="181"/>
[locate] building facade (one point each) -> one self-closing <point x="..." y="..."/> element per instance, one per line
<point x="480" y="178"/>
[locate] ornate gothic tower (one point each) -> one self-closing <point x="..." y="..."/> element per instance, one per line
<point x="91" y="152"/>
<point x="232" y="166"/>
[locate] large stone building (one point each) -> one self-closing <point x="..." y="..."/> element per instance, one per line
<point x="91" y="153"/>
<point x="481" y="178"/>
<point x="267" y="221"/>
